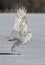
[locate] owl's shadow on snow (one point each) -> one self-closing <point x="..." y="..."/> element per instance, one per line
<point x="2" y="53"/>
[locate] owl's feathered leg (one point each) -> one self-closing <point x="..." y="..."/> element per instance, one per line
<point x="13" y="48"/>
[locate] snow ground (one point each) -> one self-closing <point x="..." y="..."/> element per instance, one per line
<point x="31" y="54"/>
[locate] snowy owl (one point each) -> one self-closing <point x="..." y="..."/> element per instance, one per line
<point x="19" y="33"/>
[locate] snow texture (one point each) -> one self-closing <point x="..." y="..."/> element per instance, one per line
<point x="32" y="53"/>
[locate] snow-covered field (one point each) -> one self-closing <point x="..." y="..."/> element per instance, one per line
<point x="31" y="54"/>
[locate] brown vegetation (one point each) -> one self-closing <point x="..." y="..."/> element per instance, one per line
<point x="31" y="5"/>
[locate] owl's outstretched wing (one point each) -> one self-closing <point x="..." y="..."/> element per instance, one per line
<point x="27" y="38"/>
<point x="15" y="35"/>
